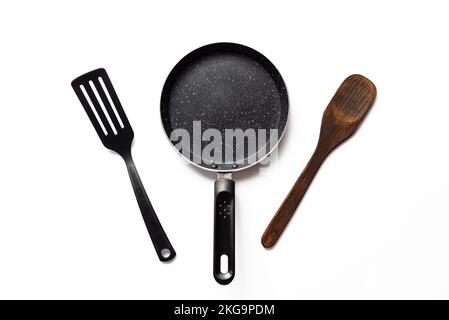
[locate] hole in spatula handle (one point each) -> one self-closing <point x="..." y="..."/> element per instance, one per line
<point x="165" y="253"/>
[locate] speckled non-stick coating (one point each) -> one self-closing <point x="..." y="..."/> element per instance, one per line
<point x="225" y="86"/>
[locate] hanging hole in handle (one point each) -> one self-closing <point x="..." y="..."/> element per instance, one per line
<point x="224" y="264"/>
<point x="165" y="253"/>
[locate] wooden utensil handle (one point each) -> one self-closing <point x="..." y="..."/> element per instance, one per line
<point x="294" y="197"/>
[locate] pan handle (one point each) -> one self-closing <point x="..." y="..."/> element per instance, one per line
<point x="224" y="230"/>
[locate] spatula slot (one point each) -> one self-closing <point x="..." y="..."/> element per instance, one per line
<point x="103" y="108"/>
<point x="111" y="103"/>
<point x="83" y="89"/>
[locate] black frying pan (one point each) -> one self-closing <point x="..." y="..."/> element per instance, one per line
<point x="214" y="91"/>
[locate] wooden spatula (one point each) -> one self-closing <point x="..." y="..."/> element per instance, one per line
<point x="341" y="119"/>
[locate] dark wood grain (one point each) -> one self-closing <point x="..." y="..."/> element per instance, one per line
<point x="342" y="117"/>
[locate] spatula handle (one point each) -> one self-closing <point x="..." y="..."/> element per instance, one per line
<point x="291" y="202"/>
<point x="160" y="240"/>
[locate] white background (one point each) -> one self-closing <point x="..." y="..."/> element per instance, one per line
<point x="374" y="223"/>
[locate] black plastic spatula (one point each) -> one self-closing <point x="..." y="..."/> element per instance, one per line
<point x="98" y="97"/>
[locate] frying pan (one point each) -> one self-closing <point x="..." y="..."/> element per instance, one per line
<point x="210" y="100"/>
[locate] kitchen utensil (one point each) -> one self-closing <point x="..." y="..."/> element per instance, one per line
<point x="224" y="86"/>
<point x="98" y="97"/>
<point x="342" y="117"/>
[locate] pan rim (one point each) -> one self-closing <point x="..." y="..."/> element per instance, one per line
<point x="181" y="62"/>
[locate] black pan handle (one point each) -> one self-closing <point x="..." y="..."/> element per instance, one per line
<point x="224" y="230"/>
<point x="160" y="240"/>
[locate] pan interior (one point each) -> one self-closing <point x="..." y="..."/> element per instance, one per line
<point x="227" y="89"/>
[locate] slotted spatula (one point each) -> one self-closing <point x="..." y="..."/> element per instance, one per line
<point x="342" y="117"/>
<point x="98" y="97"/>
